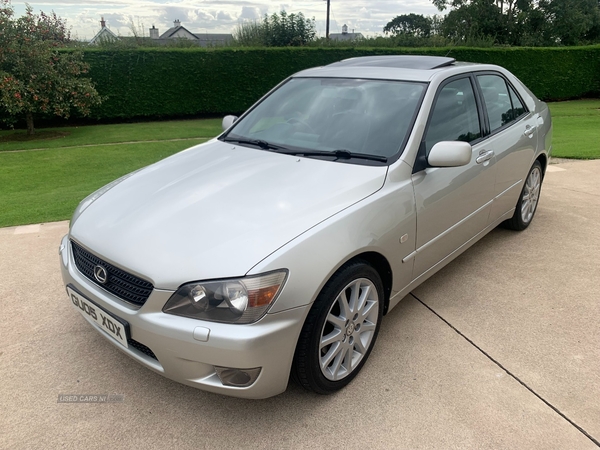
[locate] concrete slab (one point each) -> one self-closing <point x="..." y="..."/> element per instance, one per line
<point x="531" y="300"/>
<point x="529" y="304"/>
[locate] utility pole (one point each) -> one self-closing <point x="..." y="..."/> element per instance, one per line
<point x="327" y="27"/>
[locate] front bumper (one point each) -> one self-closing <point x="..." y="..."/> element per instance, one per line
<point x="269" y="343"/>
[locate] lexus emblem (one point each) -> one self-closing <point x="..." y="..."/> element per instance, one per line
<point x="100" y="274"/>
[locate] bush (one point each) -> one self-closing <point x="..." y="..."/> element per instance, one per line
<point x="155" y="82"/>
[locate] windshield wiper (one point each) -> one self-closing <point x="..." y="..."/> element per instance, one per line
<point x="258" y="142"/>
<point x="338" y="154"/>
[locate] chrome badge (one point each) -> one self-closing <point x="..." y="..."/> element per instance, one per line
<point x="100" y="274"/>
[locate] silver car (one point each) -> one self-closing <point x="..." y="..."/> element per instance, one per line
<point x="276" y="248"/>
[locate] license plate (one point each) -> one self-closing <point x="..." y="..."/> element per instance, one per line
<point x="113" y="326"/>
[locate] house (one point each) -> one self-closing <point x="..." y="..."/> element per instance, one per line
<point x="104" y="35"/>
<point x="178" y="31"/>
<point x="345" y="36"/>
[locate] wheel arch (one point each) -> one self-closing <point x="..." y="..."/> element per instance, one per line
<point x="382" y="266"/>
<point x="543" y="159"/>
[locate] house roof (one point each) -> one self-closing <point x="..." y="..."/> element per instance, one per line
<point x="214" y="37"/>
<point x="173" y="30"/>
<point x="104" y="34"/>
<point x="345" y="36"/>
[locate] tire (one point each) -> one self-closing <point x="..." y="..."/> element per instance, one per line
<point x="340" y="330"/>
<point x="528" y="200"/>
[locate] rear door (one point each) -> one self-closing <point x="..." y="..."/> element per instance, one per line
<point x="453" y="203"/>
<point x="513" y="138"/>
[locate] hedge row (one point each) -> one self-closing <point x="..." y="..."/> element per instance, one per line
<point x="177" y="82"/>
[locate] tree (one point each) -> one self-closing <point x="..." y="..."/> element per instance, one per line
<point x="277" y="30"/>
<point x="522" y="22"/>
<point x="573" y="22"/>
<point x="415" y="25"/>
<point x="36" y="79"/>
<point x="477" y="20"/>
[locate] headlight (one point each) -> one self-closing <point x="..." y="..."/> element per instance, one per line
<point x="240" y="300"/>
<point x="83" y="205"/>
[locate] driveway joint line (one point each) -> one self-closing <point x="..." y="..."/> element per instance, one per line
<point x="550" y="405"/>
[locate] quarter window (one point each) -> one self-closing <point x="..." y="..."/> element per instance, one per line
<point x="518" y="108"/>
<point x="454" y="116"/>
<point x="497" y="100"/>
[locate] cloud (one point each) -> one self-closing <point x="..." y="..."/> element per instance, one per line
<point x="250" y="13"/>
<point x="224" y="16"/>
<point x="220" y="16"/>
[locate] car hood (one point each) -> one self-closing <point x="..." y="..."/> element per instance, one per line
<point x="216" y="210"/>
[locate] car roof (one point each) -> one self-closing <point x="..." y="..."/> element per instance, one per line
<point x="397" y="61"/>
<point x="393" y="67"/>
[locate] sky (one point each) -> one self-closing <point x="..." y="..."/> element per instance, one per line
<point x="220" y="16"/>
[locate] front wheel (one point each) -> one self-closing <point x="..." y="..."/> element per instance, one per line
<point x="340" y="330"/>
<point x="528" y="200"/>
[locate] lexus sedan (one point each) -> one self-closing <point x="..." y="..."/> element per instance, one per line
<point x="275" y="249"/>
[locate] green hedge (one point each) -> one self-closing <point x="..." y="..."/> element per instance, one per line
<point x="177" y="82"/>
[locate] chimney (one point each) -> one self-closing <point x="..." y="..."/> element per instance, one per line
<point x="177" y="23"/>
<point x="103" y="23"/>
<point x="345" y="29"/>
<point x="153" y="32"/>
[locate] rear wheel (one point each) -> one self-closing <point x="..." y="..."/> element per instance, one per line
<point x="528" y="201"/>
<point x="340" y="330"/>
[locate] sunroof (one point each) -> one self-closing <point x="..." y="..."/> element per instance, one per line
<point x="397" y="61"/>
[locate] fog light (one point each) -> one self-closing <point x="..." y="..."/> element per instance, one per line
<point x="237" y="377"/>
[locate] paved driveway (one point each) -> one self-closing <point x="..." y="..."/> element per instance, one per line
<point x="501" y="349"/>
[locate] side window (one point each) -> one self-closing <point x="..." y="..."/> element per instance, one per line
<point x="497" y="100"/>
<point x="454" y="116"/>
<point x="518" y="108"/>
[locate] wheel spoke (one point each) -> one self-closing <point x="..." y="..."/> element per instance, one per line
<point x="343" y="300"/>
<point x="367" y="310"/>
<point x="353" y="304"/>
<point x="364" y="296"/>
<point x="348" y="359"/>
<point x="367" y="326"/>
<point x="335" y="336"/>
<point x="359" y="346"/>
<point x="338" y="362"/>
<point x="336" y="321"/>
<point x="334" y="350"/>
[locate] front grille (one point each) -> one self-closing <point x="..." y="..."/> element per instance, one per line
<point x="142" y="348"/>
<point x="124" y="285"/>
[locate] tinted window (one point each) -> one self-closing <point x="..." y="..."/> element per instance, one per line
<point x="496" y="99"/>
<point x="454" y="116"/>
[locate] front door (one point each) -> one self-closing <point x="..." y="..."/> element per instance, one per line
<point x="453" y="203"/>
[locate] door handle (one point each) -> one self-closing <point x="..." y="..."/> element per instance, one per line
<point x="529" y="130"/>
<point x="484" y="155"/>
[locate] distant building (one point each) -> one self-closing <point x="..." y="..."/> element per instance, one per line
<point x="104" y="35"/>
<point x="178" y="31"/>
<point x="345" y="36"/>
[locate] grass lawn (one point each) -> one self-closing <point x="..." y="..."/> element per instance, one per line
<point x="44" y="180"/>
<point x="576" y="129"/>
<point x="108" y="134"/>
<point x="47" y="185"/>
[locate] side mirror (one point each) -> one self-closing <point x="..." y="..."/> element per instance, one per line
<point x="450" y="154"/>
<point x="228" y="121"/>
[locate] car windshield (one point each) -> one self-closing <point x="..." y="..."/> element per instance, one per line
<point x="340" y="117"/>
